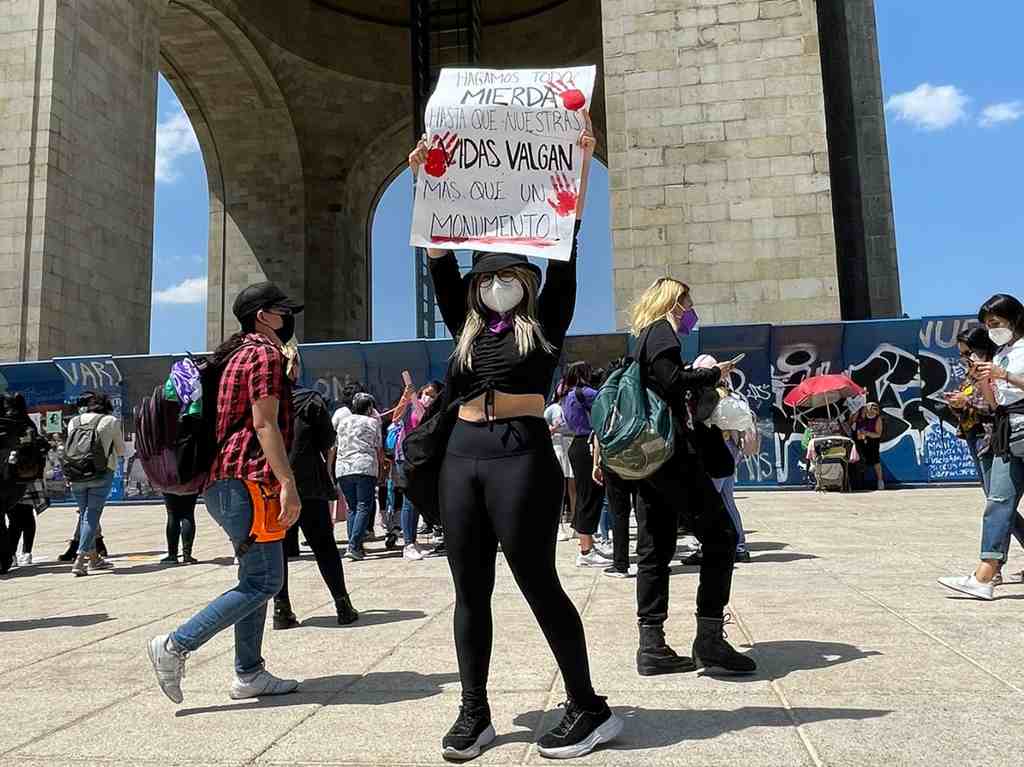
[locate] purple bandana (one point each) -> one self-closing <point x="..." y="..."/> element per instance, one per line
<point x="497" y="324"/>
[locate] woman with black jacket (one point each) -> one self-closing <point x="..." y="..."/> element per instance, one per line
<point x="680" y="489"/>
<point x="311" y="455"/>
<point x="500" y="481"/>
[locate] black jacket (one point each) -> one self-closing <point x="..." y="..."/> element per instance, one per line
<point x="313" y="438"/>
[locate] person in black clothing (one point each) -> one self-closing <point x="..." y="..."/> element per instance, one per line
<point x="681" y="487"/>
<point x="500" y="481"/>
<point x="181" y="526"/>
<point x="20" y="445"/>
<point x="312" y="453"/>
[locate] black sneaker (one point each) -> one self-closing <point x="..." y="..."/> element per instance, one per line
<point x="469" y="735"/>
<point x="580" y="731"/>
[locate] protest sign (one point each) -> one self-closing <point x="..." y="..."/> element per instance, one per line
<point x="54" y="422"/>
<point x="503" y="168"/>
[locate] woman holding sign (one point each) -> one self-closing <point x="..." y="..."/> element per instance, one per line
<point x="500" y="481"/>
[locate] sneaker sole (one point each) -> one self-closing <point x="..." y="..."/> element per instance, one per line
<point x="152" y="661"/>
<point x="485" y="739"/>
<point x="606" y="732"/>
<point x="972" y="594"/>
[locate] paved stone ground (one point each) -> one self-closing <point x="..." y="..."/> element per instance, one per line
<point x="864" y="659"/>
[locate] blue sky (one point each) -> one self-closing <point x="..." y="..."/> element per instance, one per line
<point x="955" y="121"/>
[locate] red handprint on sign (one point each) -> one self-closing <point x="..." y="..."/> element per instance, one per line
<point x="566" y="195"/>
<point x="572" y="98"/>
<point x="441" y="154"/>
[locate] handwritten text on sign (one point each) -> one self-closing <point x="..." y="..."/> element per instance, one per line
<point x="503" y="169"/>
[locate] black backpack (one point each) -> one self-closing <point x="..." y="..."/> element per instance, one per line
<point x="84" y="456"/>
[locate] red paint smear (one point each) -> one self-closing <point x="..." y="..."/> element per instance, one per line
<point x="534" y="241"/>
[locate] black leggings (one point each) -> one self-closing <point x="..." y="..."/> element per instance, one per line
<point x="589" y="494"/>
<point x="501" y="482"/>
<point x="181" y="523"/>
<point x="317" y="526"/>
<point x="681" y="488"/>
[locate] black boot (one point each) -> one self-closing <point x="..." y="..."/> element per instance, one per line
<point x="101" y="547"/>
<point x="71" y="553"/>
<point x="390" y="541"/>
<point x="346" y="612"/>
<point x="284" y="618"/>
<point x="710" y="650"/>
<point x="655" y="657"/>
<point x="187" y="558"/>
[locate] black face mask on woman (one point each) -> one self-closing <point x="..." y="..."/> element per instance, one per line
<point x="287" y="329"/>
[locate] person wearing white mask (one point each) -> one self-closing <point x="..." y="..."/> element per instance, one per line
<point x="1003" y="315"/>
<point x="499" y="479"/>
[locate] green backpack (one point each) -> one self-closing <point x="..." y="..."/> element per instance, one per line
<point x="633" y="425"/>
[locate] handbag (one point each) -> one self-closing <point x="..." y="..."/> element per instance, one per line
<point x="423" y="449"/>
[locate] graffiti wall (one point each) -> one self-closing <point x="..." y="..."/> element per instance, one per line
<point x="905" y="365"/>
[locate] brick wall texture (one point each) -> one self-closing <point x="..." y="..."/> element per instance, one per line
<point x="718" y="159"/>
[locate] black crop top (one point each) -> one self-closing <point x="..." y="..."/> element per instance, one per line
<point x="497" y="365"/>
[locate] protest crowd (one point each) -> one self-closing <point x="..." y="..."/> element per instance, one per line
<point x="498" y="455"/>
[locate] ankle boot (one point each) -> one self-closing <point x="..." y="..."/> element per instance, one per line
<point x="186" y="556"/>
<point x="710" y="650"/>
<point x="101" y="547"/>
<point x="284" y="618"/>
<point x="655" y="657"/>
<point x="71" y="553"/>
<point x="81" y="566"/>
<point x="346" y="612"/>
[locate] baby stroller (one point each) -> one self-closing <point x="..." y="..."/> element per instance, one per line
<point x="830" y="463"/>
<point x="829" y="450"/>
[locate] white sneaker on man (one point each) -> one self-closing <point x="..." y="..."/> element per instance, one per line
<point x="969" y="585"/>
<point x="169" y="665"/>
<point x="592" y="558"/>
<point x="412" y="552"/>
<point x="261" y="684"/>
<point x="24" y="560"/>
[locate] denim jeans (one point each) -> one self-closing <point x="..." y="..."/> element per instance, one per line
<point x="361" y="494"/>
<point x="605" y="525"/>
<point x="410" y="522"/>
<point x="1006" y="486"/>
<point x="260" y="575"/>
<point x="91" y="497"/>
<point x="726" y="487"/>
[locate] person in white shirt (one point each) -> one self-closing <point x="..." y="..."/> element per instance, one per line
<point x="357" y="467"/>
<point x="95" y="425"/>
<point x="1003" y="315"/>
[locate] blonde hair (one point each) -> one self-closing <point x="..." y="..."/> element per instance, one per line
<point x="527" y="329"/>
<point x="657" y="301"/>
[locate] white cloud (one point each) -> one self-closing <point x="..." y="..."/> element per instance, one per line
<point x="1003" y="112"/>
<point x="174" y="139"/>
<point x="930" y="107"/>
<point x="191" y="290"/>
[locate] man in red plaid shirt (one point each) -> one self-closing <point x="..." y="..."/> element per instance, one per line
<point x="251" y="494"/>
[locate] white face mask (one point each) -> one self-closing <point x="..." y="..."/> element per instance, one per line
<point x="426" y="400"/>
<point x="1000" y="336"/>
<point x="502" y="296"/>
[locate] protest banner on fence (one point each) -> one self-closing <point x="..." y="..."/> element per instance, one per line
<point x="503" y="168"/>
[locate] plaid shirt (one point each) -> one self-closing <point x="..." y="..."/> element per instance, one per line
<point x="253" y="373"/>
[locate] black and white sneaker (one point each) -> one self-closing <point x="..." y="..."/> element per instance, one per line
<point x="470" y="734"/>
<point x="580" y="732"/>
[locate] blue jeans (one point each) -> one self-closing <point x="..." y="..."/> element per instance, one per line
<point x="605" y="523"/>
<point x="360" y="493"/>
<point x="410" y="522"/>
<point x="727" y="489"/>
<point x="91" y="497"/>
<point x="260" y="576"/>
<point x="1006" y="486"/>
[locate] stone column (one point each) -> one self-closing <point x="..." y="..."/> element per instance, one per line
<point x="76" y="175"/>
<point x="718" y="157"/>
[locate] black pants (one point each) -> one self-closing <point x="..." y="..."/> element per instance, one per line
<point x="589" y="494"/>
<point x="501" y="482"/>
<point x="9" y="497"/>
<point x="621" y="501"/>
<point x="181" y="523"/>
<point x="317" y="526"/>
<point x="21" y="521"/>
<point x="681" y="488"/>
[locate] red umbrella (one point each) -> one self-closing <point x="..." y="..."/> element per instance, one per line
<point x="822" y="390"/>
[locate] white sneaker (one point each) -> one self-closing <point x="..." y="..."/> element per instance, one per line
<point x="169" y="666"/>
<point x="593" y="558"/>
<point x="603" y="549"/>
<point x="969" y="585"/>
<point x="24" y="560"/>
<point x="262" y="684"/>
<point x="564" y="533"/>
<point x="412" y="552"/>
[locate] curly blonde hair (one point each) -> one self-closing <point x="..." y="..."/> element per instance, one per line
<point x="657" y="301"/>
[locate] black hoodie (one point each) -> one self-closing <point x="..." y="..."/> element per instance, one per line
<point x="313" y="438"/>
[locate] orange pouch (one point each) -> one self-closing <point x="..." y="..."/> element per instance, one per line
<point x="266" y="509"/>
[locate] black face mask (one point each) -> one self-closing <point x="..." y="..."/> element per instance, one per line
<point x="287" y="329"/>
